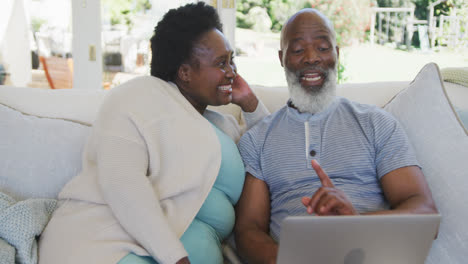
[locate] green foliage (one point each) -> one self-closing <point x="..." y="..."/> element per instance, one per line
<point x="278" y="11"/>
<point x="397" y="3"/>
<point x="120" y="11"/>
<point x="281" y="10"/>
<point x="351" y="18"/>
<point x="341" y="73"/>
<point x="421" y="10"/>
<point x="36" y="23"/>
<point x="242" y="8"/>
<point x="242" y="21"/>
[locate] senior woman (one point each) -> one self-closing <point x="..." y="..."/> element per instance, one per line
<point x="161" y="173"/>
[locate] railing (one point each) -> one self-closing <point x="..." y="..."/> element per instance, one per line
<point x="397" y="25"/>
<point x="394" y="24"/>
<point x="447" y="31"/>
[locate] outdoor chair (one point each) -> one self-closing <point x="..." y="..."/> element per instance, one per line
<point x="58" y="71"/>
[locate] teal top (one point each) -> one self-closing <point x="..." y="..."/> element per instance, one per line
<point x="215" y="220"/>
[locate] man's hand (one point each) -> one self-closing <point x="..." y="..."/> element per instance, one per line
<point x="242" y="95"/>
<point x="327" y="200"/>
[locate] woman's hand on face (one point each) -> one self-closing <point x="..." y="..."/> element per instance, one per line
<point x="242" y="95"/>
<point x="184" y="260"/>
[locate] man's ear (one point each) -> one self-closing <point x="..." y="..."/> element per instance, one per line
<point x="280" y="55"/>
<point x="337" y="51"/>
<point x="184" y="72"/>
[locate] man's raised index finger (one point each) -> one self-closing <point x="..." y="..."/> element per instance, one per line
<point x="324" y="179"/>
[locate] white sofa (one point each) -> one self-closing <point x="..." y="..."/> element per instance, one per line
<point x="42" y="133"/>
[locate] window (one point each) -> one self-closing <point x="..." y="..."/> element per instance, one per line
<point x="111" y="43"/>
<point x="259" y="23"/>
<point x="127" y="26"/>
<point x="31" y="29"/>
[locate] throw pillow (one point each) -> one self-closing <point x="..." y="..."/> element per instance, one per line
<point x="38" y="155"/>
<point x="22" y="222"/>
<point x="456" y="75"/>
<point x="441" y="145"/>
<point x="7" y="252"/>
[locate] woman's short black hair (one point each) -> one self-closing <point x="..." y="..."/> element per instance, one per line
<point x="176" y="34"/>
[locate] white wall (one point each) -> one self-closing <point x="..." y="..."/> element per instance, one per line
<point x="87" y="74"/>
<point x="227" y="13"/>
<point x="5" y="14"/>
<point x="14" y="42"/>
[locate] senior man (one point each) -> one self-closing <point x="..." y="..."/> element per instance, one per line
<point x="367" y="165"/>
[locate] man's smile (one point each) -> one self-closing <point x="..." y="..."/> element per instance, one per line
<point x="312" y="77"/>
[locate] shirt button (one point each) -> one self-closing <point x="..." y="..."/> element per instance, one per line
<point x="312" y="153"/>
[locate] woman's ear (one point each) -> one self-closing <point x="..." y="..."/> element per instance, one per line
<point x="184" y="72"/>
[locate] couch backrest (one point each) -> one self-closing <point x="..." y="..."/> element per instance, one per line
<point x="74" y="105"/>
<point x="82" y="105"/>
<point x="43" y="132"/>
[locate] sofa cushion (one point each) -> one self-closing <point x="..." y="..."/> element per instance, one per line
<point x="441" y="145"/>
<point x="38" y="155"/>
<point x="78" y="105"/>
<point x="377" y="93"/>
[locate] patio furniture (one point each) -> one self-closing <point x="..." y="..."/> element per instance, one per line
<point x="58" y="71"/>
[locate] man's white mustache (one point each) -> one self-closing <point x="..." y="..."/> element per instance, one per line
<point x="307" y="100"/>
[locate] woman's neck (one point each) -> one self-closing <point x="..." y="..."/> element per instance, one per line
<point x="182" y="88"/>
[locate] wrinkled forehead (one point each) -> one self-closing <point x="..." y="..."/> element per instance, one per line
<point x="310" y="21"/>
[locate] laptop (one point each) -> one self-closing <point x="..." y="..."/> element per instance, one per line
<point x="371" y="239"/>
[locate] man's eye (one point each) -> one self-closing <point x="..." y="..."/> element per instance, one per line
<point x="297" y="51"/>
<point x="222" y="64"/>
<point x="323" y="49"/>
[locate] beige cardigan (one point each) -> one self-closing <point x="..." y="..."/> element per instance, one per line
<point x="148" y="165"/>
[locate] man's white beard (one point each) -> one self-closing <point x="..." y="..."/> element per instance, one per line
<point x="311" y="101"/>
